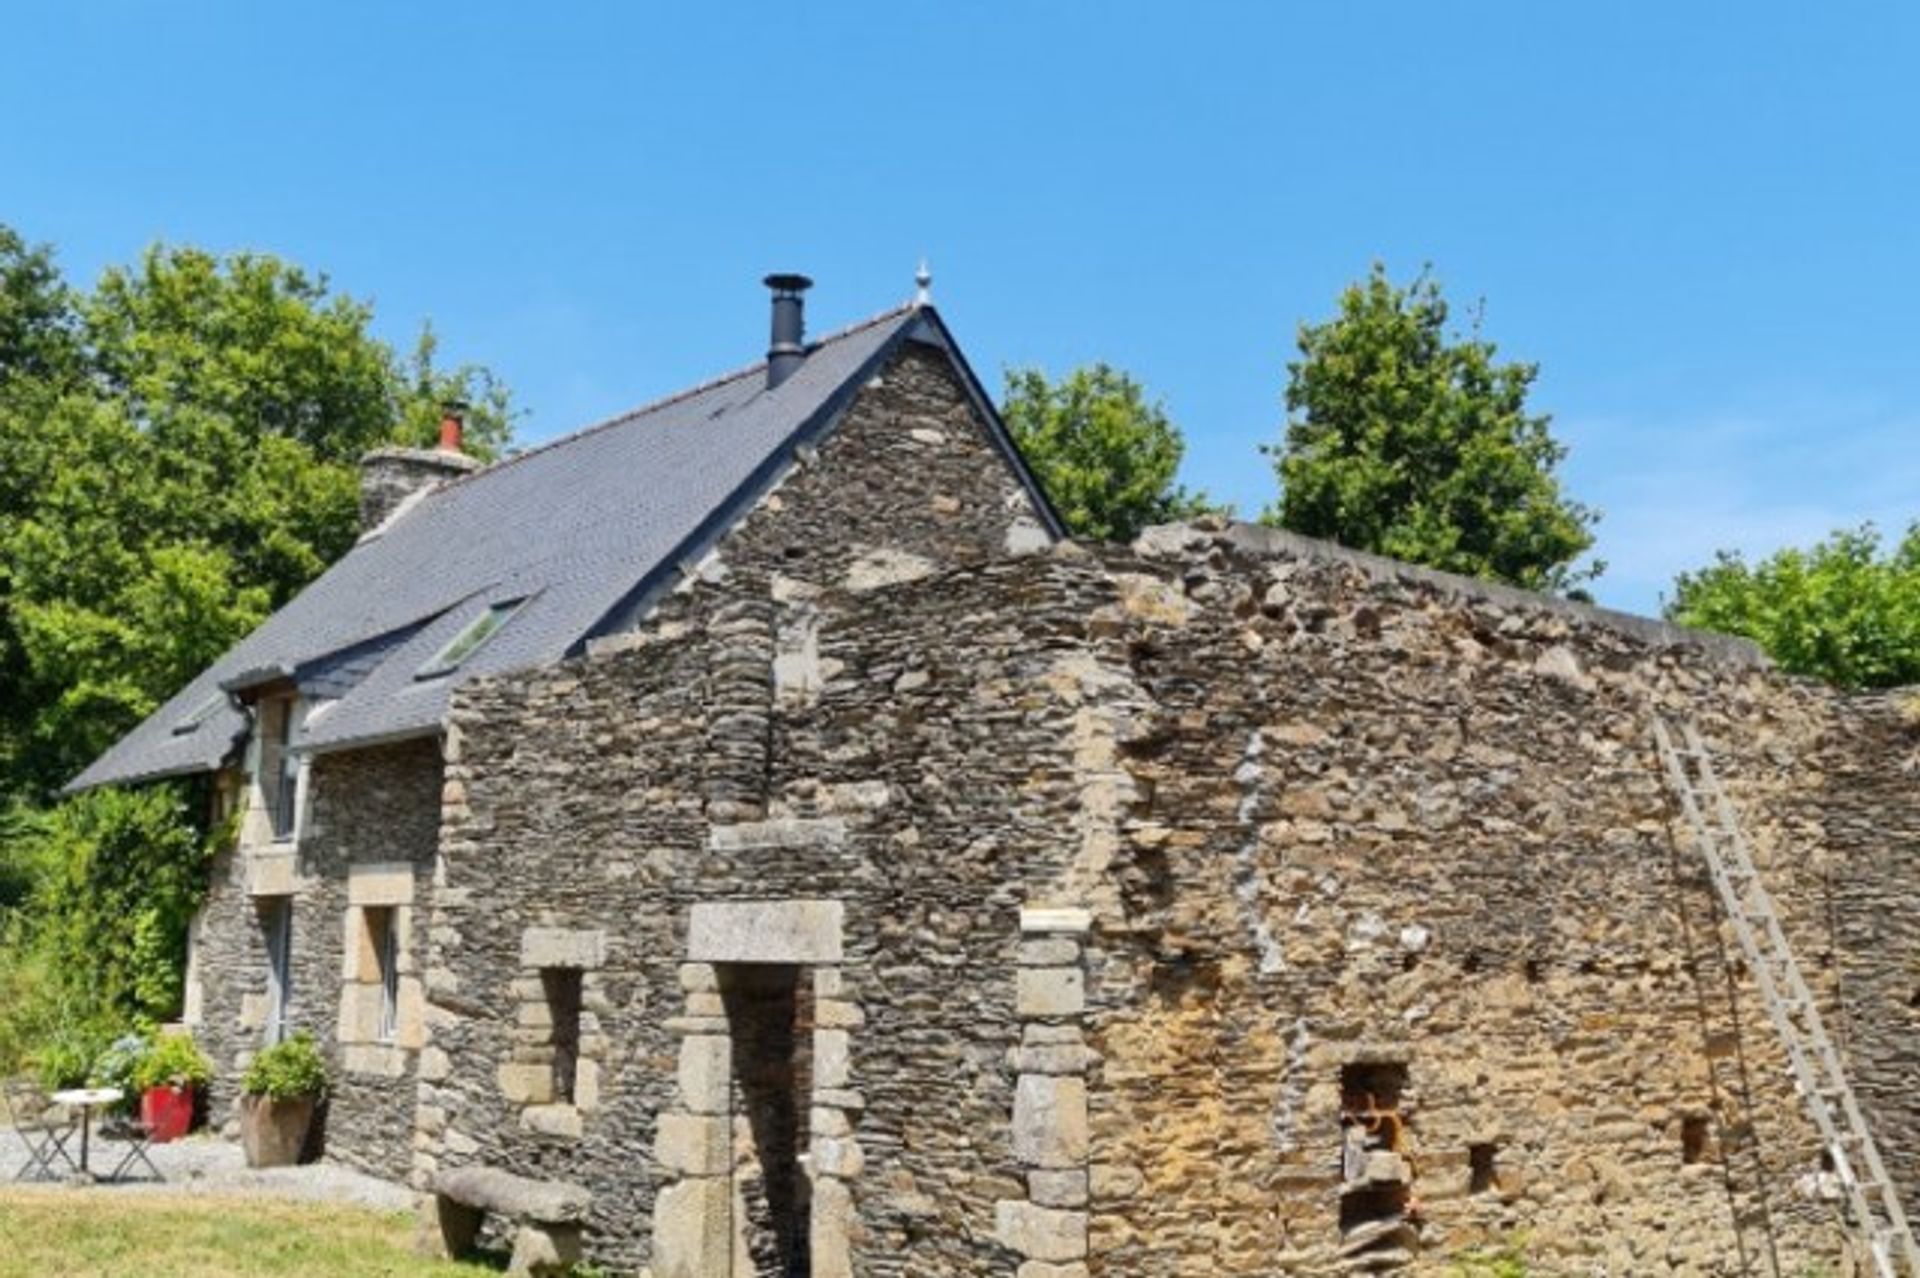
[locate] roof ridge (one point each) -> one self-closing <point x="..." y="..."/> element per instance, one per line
<point x="667" y="401"/>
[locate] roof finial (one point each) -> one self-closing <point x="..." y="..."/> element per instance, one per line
<point x="923" y="281"/>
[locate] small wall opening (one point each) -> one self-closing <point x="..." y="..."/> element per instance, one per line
<point x="1372" y="1204"/>
<point x="1370" y="1092"/>
<point x="1483" y="1171"/>
<point x="770" y="1019"/>
<point x="562" y="987"/>
<point x="1694" y="1134"/>
<point x="1376" y="1195"/>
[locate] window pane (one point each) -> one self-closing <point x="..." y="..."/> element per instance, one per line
<point x="277" y="922"/>
<point x="464" y="644"/>
<point x="385" y="939"/>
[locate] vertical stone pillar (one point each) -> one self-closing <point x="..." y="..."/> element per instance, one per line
<point x="834" y="1157"/>
<point x="740" y="696"/>
<point x="693" y="1142"/>
<point x="1048" y="1228"/>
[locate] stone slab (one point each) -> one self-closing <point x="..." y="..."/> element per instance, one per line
<point x="374" y="883"/>
<point x="765" y="932"/>
<point x="585" y="949"/>
<point x="490" y="1189"/>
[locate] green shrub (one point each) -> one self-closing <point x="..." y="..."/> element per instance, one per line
<point x="288" y="1070"/>
<point x="173" y="1061"/>
<point x="66" y="1059"/>
<point x="98" y="941"/>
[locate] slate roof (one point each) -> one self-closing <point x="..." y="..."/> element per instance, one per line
<point x="586" y="530"/>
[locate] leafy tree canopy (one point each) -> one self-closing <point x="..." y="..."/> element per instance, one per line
<point x="1841" y="611"/>
<point x="1105" y="455"/>
<point x="1408" y="441"/>
<point x="178" y="453"/>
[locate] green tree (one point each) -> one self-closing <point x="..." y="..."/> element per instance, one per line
<point x="1105" y="455"/>
<point x="178" y="457"/>
<point x="1408" y="441"/>
<point x="1841" y="611"/>
<point x="178" y="454"/>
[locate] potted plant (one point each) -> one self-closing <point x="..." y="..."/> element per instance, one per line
<point x="279" y="1093"/>
<point x="168" y="1076"/>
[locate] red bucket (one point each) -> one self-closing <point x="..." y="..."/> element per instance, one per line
<point x="166" y="1112"/>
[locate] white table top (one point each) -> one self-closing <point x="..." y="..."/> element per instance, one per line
<point x="87" y="1096"/>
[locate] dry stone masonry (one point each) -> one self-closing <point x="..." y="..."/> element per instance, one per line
<point x="1231" y="905"/>
<point x="908" y="896"/>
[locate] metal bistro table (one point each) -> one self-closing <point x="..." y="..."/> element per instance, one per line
<point x="86" y="1100"/>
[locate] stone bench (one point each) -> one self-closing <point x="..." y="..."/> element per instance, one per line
<point x="547" y="1215"/>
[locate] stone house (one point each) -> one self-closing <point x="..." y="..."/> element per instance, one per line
<point x="751" y="814"/>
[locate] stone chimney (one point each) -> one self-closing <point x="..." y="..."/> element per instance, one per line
<point x="389" y="476"/>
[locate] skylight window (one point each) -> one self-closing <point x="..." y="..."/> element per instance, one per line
<point x="199" y="714"/>
<point x="474" y="634"/>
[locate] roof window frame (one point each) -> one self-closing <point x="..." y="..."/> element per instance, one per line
<point x="477" y="633"/>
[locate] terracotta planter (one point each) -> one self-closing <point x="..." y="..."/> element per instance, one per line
<point x="166" y="1113"/>
<point x="274" y="1132"/>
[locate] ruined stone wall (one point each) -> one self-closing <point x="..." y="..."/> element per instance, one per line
<point x="1868" y="770"/>
<point x="371" y="809"/>
<point x="1371" y="859"/>
<point x="1388" y="835"/>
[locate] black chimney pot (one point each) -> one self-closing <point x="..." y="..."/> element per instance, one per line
<point x="789" y="349"/>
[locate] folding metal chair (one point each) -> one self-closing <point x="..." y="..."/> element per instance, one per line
<point x="127" y="1128"/>
<point x="45" y="1137"/>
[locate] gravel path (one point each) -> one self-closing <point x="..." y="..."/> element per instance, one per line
<point x="209" y="1165"/>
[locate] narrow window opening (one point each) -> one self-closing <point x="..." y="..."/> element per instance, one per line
<point x="1693" y="1139"/>
<point x="383" y="940"/>
<point x="1534" y="971"/>
<point x="1376" y="1199"/>
<point x="1482" y="1168"/>
<point x="562" y="985"/>
<point x="1915" y="1000"/>
<point x="276" y="922"/>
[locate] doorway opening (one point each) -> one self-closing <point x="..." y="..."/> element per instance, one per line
<point x="770" y="1019"/>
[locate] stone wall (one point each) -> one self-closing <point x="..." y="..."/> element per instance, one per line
<point x="1397" y="872"/>
<point x="1868" y="766"/>
<point x="616" y="822"/>
<point x="371" y="831"/>
<point x="1390" y="948"/>
<point x="370" y="842"/>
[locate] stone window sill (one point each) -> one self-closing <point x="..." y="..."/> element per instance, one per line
<point x="379" y="1060"/>
<point x="562" y="1122"/>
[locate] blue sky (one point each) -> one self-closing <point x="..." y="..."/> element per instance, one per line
<point x="1699" y="219"/>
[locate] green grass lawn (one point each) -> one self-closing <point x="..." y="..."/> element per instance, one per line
<point x="87" y="1232"/>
